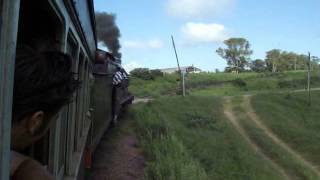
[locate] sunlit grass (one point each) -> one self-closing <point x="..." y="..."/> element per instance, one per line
<point x="290" y="117"/>
<point x="189" y="138"/>
<point x="223" y="84"/>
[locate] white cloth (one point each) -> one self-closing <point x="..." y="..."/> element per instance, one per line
<point x="117" y="78"/>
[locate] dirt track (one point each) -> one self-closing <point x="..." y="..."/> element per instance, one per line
<point x="253" y="116"/>
<point x="233" y="120"/>
<point x="142" y="100"/>
<point x="246" y="105"/>
<point x="118" y="157"/>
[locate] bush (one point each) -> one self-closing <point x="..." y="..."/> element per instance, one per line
<point x="156" y="73"/>
<point x="142" y="73"/>
<point x="239" y="82"/>
<point x="286" y="84"/>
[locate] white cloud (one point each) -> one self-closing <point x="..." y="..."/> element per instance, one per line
<point x="198" y="33"/>
<point x="131" y="65"/>
<point x="155" y="44"/>
<point x="149" y="44"/>
<point x="198" y="8"/>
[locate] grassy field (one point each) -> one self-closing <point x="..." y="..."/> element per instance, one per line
<point x="166" y="85"/>
<point x="192" y="138"/>
<point x="223" y="84"/>
<point x="295" y="168"/>
<point x="290" y="117"/>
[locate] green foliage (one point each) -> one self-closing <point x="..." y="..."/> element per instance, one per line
<point x="156" y="73"/>
<point x="223" y="84"/>
<point x="189" y="138"/>
<point x="280" y="61"/>
<point x="258" y="65"/>
<point x="239" y="83"/>
<point x="160" y="86"/>
<point x="268" y="146"/>
<point x="142" y="73"/>
<point x="195" y="142"/>
<point x="146" y="74"/>
<point x="236" y="54"/>
<point x="290" y="117"/>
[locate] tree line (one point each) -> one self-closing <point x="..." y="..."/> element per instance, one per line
<point x="238" y="53"/>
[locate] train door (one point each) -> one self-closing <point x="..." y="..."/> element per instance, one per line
<point x="9" y="14"/>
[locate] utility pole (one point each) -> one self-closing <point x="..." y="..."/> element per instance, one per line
<point x="309" y="79"/>
<point x="175" y="51"/>
<point x="182" y="74"/>
<point x="183" y="83"/>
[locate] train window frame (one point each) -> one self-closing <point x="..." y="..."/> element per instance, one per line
<point x="8" y="40"/>
<point x="71" y="39"/>
<point x="80" y="109"/>
<point x="85" y="92"/>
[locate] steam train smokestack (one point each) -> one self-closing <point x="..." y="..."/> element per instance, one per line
<point x="108" y="32"/>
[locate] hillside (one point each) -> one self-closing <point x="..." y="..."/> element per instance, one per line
<point x="223" y="84"/>
<point x="250" y="126"/>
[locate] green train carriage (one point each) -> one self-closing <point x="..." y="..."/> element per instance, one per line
<point x="68" y="26"/>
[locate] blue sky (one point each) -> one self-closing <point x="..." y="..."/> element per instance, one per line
<point x="200" y="26"/>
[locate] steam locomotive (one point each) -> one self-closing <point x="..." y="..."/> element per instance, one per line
<point x="70" y="26"/>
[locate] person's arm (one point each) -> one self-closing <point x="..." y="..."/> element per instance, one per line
<point x="16" y="160"/>
<point x="31" y="170"/>
<point x="25" y="168"/>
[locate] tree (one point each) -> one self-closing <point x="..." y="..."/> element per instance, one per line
<point x="273" y="59"/>
<point x="315" y="62"/>
<point x="156" y="73"/>
<point x="258" y="65"/>
<point x="288" y="61"/>
<point x="236" y="54"/>
<point x="302" y="62"/>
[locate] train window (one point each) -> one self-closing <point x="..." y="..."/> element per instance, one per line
<point x="39" y="25"/>
<point x="43" y="29"/>
<point x="72" y="48"/>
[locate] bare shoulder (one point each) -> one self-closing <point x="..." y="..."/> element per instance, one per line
<point x="30" y="169"/>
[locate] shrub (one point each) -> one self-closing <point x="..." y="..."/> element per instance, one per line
<point x="239" y="82"/>
<point x="156" y="73"/>
<point x="142" y="73"/>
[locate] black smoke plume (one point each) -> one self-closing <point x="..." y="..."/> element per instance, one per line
<point x="108" y="32"/>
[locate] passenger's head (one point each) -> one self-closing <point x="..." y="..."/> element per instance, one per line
<point x="43" y="84"/>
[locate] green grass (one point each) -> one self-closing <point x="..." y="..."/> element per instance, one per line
<point x="259" y="83"/>
<point x="292" y="166"/>
<point x="189" y="138"/>
<point x="290" y="117"/>
<point x="166" y="85"/>
<point x="223" y="84"/>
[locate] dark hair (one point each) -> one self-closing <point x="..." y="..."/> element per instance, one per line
<point x="43" y="81"/>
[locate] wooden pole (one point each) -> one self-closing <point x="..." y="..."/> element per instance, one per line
<point x="179" y="69"/>
<point x="309" y="79"/>
<point x="175" y="51"/>
<point x="183" y="84"/>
